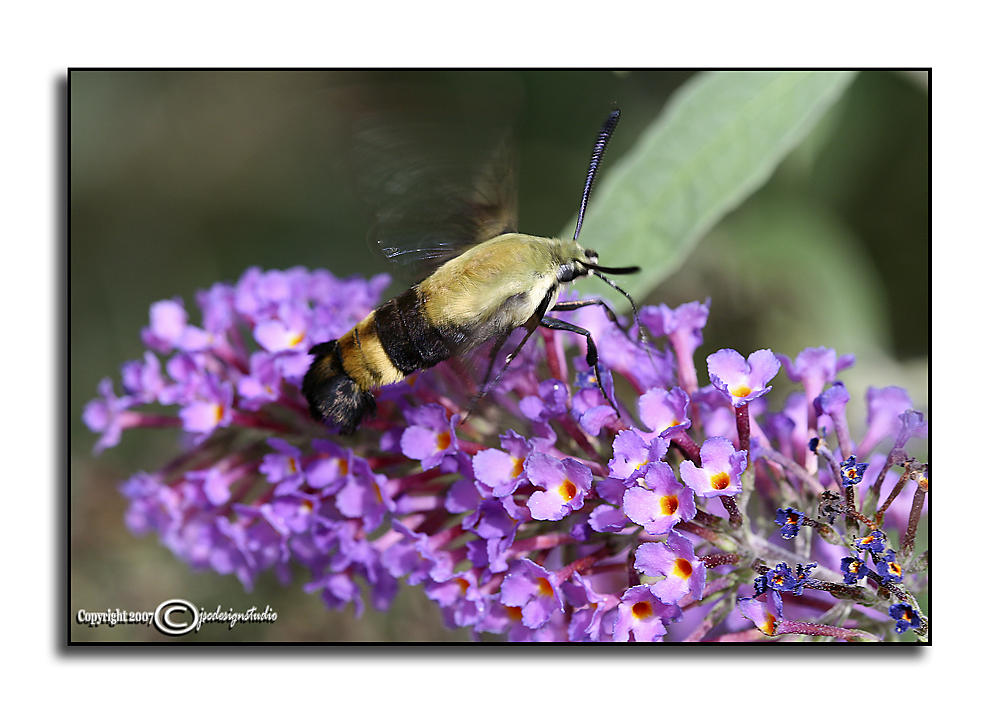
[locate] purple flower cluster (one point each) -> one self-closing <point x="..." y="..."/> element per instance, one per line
<point x="570" y="522"/>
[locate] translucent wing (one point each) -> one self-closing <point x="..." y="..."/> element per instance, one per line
<point x="437" y="171"/>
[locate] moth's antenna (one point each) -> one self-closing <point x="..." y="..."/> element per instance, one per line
<point x="595" y="160"/>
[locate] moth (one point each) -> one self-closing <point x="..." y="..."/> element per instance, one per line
<point x="503" y="281"/>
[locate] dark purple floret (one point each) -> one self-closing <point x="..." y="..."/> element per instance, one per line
<point x="905" y="617"/>
<point x="790" y="521"/>
<point x="853" y="569"/>
<point x="851" y="472"/>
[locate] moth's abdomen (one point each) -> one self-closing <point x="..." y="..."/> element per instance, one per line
<point x="334" y="396"/>
<point x="390" y="343"/>
<point x="407" y="336"/>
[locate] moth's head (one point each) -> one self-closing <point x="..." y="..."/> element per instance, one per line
<point x="575" y="261"/>
<point x="572" y="260"/>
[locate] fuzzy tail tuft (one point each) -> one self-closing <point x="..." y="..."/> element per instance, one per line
<point x="334" y="398"/>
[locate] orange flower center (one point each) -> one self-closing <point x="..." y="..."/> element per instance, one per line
<point x="545" y="587"/>
<point x="668" y="504"/>
<point x="641" y="610"/>
<point x="518" y="467"/>
<point x="770" y="624"/>
<point x="683" y="568"/>
<point x="719" y="481"/>
<point x="443" y="440"/>
<point x="567" y="489"/>
<point x="740" y="391"/>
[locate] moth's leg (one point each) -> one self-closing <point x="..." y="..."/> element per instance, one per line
<point x="486" y="386"/>
<point x="576" y="304"/>
<point x="635" y="314"/>
<point x="494" y="351"/>
<point x="554" y="324"/>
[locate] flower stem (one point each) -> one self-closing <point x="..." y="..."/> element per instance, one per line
<point x="714" y="560"/>
<point x="792" y="627"/>
<point x="880" y="513"/>
<point x="906" y="545"/>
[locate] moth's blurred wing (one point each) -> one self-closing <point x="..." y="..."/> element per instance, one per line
<point x="438" y="178"/>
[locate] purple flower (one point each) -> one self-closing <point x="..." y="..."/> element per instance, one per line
<point x="534" y="590"/>
<point x="107" y="415"/>
<point x="913" y="425"/>
<point x="550" y="402"/>
<point x="217" y="308"/>
<point x="783" y="579"/>
<point x="851" y="472"/>
<point x="337" y="591"/>
<point x="683" y="327"/>
<point x="536" y="523"/>
<point x="589" y="609"/>
<point x="589" y="406"/>
<point x="657" y="502"/>
<point x="833" y="404"/>
<point x="293" y="512"/>
<point x="503" y="471"/>
<point x="790" y="521"/>
<point x="497" y="526"/>
<point x="905" y="617"/>
<point x="717" y="415"/>
<point x="626" y="356"/>
<point x="814" y="367"/>
<point x="874" y="542"/>
<point x="665" y="413"/>
<point x="143" y="381"/>
<point x="623" y="352"/>
<point x="608" y="519"/>
<point x="209" y="408"/>
<point x="330" y="469"/>
<point x="888" y="569"/>
<point x="674" y="563"/>
<point x="430" y="436"/>
<point x="884" y="409"/>
<point x="167" y="322"/>
<point x="285" y="334"/>
<point x="633" y="453"/>
<point x="565" y="484"/>
<point x="742" y="380"/>
<point x="765" y="611"/>
<point x="720" y="471"/>
<point x="283" y="465"/>
<point x="642" y="616"/>
<point x="853" y="569"/>
<point x="460" y="599"/>
<point x="363" y="496"/>
<point x="416" y="556"/>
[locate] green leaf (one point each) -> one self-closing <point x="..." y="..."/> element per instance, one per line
<point x="718" y="139"/>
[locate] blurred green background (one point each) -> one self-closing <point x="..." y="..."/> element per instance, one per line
<point x="182" y="179"/>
